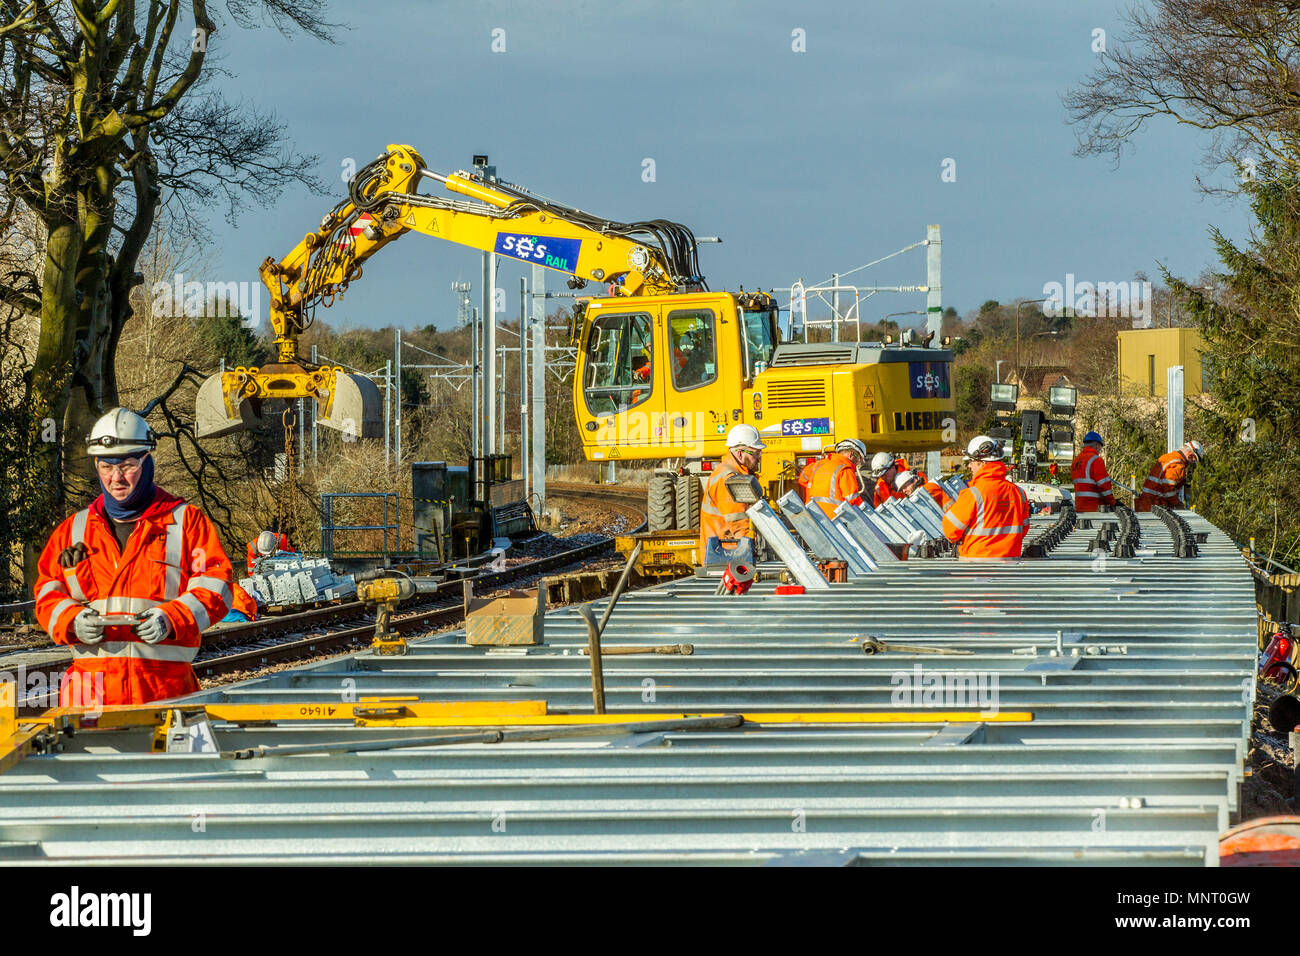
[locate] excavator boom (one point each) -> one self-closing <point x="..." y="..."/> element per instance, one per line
<point x="647" y="258"/>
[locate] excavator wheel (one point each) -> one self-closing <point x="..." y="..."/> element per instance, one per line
<point x="661" y="503"/>
<point x="689" y="495"/>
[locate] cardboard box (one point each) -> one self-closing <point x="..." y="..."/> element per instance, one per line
<point x="515" y="618"/>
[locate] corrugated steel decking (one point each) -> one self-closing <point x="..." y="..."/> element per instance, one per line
<point x="1133" y="756"/>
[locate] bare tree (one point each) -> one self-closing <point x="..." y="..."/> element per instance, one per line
<point x="103" y="117"/>
<point x="1228" y="67"/>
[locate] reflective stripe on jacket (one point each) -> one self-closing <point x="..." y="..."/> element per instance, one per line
<point x="833" y="479"/>
<point x="990" y="517"/>
<point x="173" y="560"/>
<point x="721" y="516"/>
<point x="1091" y="481"/>
<point x="1168" y="474"/>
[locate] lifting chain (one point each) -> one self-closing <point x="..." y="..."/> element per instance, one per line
<point x="286" y="507"/>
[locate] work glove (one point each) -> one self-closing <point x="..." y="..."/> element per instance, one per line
<point x="73" y="556"/>
<point x="89" y="626"/>
<point x="153" y="626"/>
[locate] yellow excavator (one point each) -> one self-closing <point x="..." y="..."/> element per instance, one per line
<point x="665" y="366"/>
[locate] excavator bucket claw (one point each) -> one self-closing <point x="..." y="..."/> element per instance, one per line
<point x="212" y="417"/>
<point x="357" y="409"/>
<point x="235" y="400"/>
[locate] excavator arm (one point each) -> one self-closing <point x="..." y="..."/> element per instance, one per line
<point x="645" y="258"/>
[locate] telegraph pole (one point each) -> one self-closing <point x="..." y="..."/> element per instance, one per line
<point x="523" y="382"/>
<point x="538" y="457"/>
<point x="397" y="400"/>
<point x="313" y="417"/>
<point x="488" y="174"/>
<point x="933" y="312"/>
<point x="476" y="413"/>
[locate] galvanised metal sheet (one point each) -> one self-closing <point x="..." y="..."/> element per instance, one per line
<point x="1138" y="674"/>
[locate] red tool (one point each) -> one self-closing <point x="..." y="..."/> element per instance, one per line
<point x="737" y="578"/>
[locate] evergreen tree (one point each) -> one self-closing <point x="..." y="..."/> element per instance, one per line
<point x="1251" y="421"/>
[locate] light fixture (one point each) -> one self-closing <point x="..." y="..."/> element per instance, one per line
<point x="1004" y="395"/>
<point x="1060" y="450"/>
<point x="1063" y="399"/>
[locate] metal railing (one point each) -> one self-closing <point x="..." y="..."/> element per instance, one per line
<point x="328" y="526"/>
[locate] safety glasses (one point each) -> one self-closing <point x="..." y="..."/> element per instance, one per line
<point x="126" y="469"/>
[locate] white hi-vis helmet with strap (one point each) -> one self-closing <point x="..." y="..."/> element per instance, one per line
<point x="745" y="436"/>
<point x="120" y="432"/>
<point x="1196" y="448"/>
<point x="904" y="479"/>
<point x="984" y="448"/>
<point x="852" y="446"/>
<point x="881" y="462"/>
<point x="266" y="542"/>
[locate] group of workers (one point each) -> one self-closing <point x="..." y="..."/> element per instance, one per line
<point x="988" y="519"/>
<point x="1163" y="486"/>
<point x="130" y="582"/>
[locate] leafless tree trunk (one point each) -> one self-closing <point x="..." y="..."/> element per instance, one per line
<point x="102" y="118"/>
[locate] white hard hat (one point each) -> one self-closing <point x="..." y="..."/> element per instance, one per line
<point x="903" y="478"/>
<point x="1196" y="448"/>
<point x="120" y="432"/>
<point x="881" y="462"/>
<point x="266" y="542"/>
<point x="853" y="445"/>
<point x="984" y="448"/>
<point x="744" y="436"/>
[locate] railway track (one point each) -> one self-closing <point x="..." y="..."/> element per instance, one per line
<point x="249" y="647"/>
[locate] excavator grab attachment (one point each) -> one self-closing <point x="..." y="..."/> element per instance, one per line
<point x="233" y="400"/>
<point x="356" y="408"/>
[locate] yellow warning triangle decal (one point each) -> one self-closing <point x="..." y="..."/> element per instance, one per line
<point x="409" y="220"/>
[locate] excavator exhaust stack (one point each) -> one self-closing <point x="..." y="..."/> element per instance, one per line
<point x="231" y="401"/>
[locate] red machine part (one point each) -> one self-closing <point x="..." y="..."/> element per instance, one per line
<point x="737" y="578"/>
<point x="1277" y="662"/>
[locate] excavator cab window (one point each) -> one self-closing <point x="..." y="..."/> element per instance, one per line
<point x="619" y="363"/>
<point x="759" y="329"/>
<point x="694" y="354"/>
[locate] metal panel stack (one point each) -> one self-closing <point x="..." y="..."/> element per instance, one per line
<point x="289" y="581"/>
<point x="1079" y="708"/>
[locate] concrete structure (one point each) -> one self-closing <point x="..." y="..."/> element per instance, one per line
<point x="1146" y="354"/>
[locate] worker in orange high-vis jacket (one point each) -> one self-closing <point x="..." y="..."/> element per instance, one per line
<point x="990" y="517"/>
<point x="1091" y="480"/>
<point x="909" y="482"/>
<point x="726" y="533"/>
<point x="130" y="583"/>
<point x="834" y="478"/>
<point x="265" y="545"/>
<point x="885" y="468"/>
<point x="1171" y="472"/>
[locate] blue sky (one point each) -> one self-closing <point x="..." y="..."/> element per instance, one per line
<point x="804" y="163"/>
